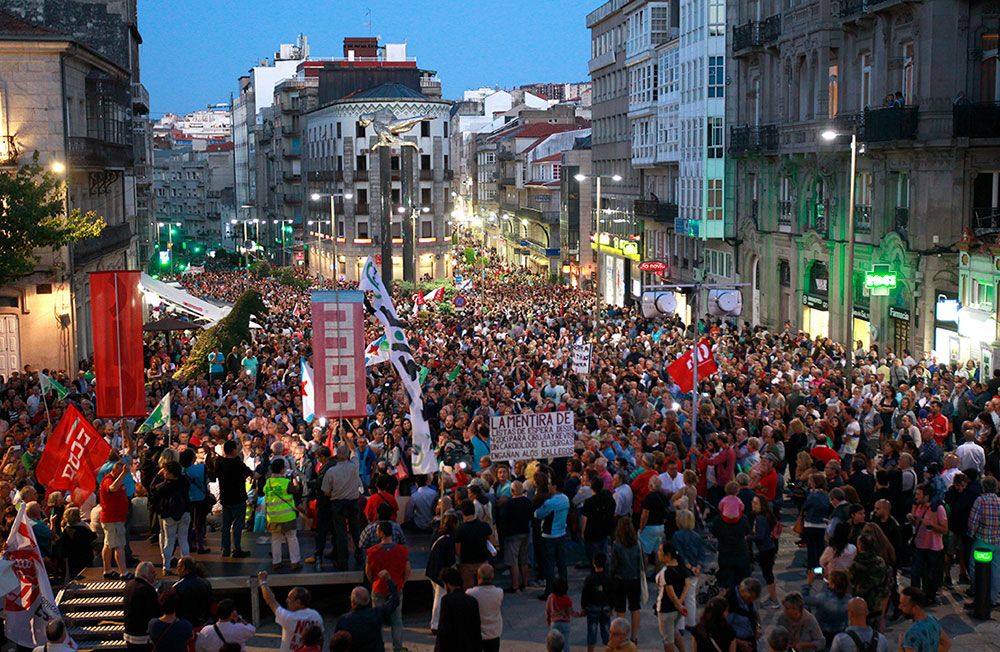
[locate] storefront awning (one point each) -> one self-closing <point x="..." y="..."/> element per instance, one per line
<point x="184" y="301"/>
<point x="976" y="324"/>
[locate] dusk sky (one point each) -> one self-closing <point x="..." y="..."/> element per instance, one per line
<point x="194" y="50"/>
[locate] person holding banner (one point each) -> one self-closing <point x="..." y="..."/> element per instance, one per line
<point x="114" y="512"/>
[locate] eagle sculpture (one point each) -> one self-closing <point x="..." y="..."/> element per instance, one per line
<point x="389" y="128"/>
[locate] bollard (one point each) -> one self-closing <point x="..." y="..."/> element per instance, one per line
<point x="983" y="558"/>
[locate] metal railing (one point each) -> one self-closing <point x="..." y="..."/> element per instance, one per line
<point x="140" y="98"/>
<point x="986" y="220"/>
<point x="753" y="139"/>
<point x="901" y="224"/>
<point x="862" y="219"/>
<point x="755" y="34"/>
<point x="113" y="238"/>
<point x="889" y="123"/>
<point x="93" y="152"/>
<point x="784" y="213"/>
<point x="979" y="120"/>
<point x="656" y="210"/>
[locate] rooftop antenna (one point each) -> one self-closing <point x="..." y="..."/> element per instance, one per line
<point x="368" y="20"/>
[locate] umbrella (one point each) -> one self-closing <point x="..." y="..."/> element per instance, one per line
<point x="167" y="324"/>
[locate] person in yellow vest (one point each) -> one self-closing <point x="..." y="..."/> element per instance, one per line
<point x="282" y="515"/>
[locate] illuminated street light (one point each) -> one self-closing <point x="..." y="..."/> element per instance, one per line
<point x="58" y="167"/>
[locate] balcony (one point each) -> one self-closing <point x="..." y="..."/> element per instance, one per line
<point x="658" y="211"/>
<point x="901" y="224"/>
<point x="753" y="139"/>
<point x="890" y="123"/>
<point x="427" y="175"/>
<point x="361" y="175"/>
<point x="293" y="177"/>
<point x="756" y="34"/>
<point x="113" y="238"/>
<point x="95" y="153"/>
<point x="862" y="219"/>
<point x="854" y="9"/>
<point x="986" y="220"/>
<point x="507" y="181"/>
<point x="980" y="120"/>
<point x="361" y="208"/>
<point x="140" y="99"/>
<point x="785" y="213"/>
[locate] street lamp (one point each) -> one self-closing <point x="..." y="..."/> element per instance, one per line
<point x="829" y="136"/>
<point x="316" y="196"/>
<point x="597" y="236"/>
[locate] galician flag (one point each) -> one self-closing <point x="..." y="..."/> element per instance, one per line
<point x="377" y="352"/>
<point x="422" y="374"/>
<point x="49" y="385"/>
<point x="434" y="295"/>
<point x="159" y="417"/>
<point x="308" y="393"/>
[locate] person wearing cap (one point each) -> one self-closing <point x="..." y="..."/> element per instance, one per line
<point x="731" y="530"/>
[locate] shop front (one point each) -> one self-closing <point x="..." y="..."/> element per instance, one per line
<point x="615" y="256"/>
<point x="947" y="341"/>
<point x="816" y="302"/>
<point x="977" y="330"/>
<point x="899" y="329"/>
<point x="862" y="326"/>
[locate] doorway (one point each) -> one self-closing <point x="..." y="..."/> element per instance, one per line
<point x="10" y="346"/>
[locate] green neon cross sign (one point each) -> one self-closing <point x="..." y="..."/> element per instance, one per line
<point x="880" y="276"/>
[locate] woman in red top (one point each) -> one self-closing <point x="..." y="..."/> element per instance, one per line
<point x="383" y="495"/>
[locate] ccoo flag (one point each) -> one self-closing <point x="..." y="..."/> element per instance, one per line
<point x="30" y="606"/>
<point x="681" y="370"/>
<point x="308" y="393"/>
<point x="72" y="456"/>
<point x="159" y="417"/>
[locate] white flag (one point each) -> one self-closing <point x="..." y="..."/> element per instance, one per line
<point x="308" y="393"/>
<point x="581" y="357"/>
<point x="31" y="605"/>
<point x="423" y="458"/>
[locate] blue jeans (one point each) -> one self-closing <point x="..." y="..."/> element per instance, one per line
<point x="598" y="622"/>
<point x="233" y="519"/>
<point x="994" y="568"/>
<point x="562" y="627"/>
<point x="174" y="533"/>
<point x="555" y="559"/>
<point x="395" y="620"/>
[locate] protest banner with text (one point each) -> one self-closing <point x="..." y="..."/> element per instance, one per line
<point x="526" y="436"/>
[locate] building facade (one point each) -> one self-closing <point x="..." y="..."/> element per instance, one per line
<point x="917" y="85"/>
<point x="194" y="198"/>
<point x="69" y="88"/>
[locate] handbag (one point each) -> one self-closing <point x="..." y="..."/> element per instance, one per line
<point x="643" y="584"/>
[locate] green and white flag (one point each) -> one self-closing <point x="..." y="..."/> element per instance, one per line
<point x="159" y="417"/>
<point x="422" y="374"/>
<point x="49" y="385"/>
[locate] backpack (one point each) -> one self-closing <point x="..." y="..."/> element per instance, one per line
<point x="870" y="646"/>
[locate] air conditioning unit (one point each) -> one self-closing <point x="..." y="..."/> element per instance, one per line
<point x="658" y="304"/>
<point x="722" y="303"/>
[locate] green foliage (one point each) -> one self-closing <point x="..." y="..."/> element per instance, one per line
<point x="32" y="215"/>
<point x="287" y="276"/>
<point x="260" y="268"/>
<point x="232" y="330"/>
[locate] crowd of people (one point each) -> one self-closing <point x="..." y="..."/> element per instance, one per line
<point x="884" y="474"/>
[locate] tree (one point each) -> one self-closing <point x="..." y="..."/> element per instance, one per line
<point x="32" y="215"/>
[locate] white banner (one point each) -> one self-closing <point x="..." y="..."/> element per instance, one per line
<point x="581" y="358"/>
<point x="31" y="605"/>
<point x="529" y="436"/>
<point x="423" y="458"/>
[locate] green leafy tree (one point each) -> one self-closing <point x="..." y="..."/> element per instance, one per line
<point x="32" y="215"/>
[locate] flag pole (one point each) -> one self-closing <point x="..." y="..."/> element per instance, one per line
<point x="48" y="417"/>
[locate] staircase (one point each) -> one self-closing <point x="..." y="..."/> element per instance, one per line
<point x="93" y="612"/>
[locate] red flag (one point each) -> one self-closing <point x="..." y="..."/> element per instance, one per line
<point x="72" y="456"/>
<point x="682" y="369"/>
<point x="116" y="315"/>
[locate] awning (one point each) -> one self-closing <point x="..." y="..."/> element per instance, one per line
<point x="168" y="324"/>
<point x="183" y="300"/>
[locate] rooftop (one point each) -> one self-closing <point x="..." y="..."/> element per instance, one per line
<point x="387" y="92"/>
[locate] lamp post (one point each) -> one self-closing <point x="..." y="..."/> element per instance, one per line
<point x="597" y="235"/>
<point x="316" y="196"/>
<point x="830" y="135"/>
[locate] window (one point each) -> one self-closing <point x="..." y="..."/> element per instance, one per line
<point x="359" y="131"/>
<point x="713" y="206"/>
<point x="866" y="80"/>
<point x="394" y="196"/>
<point x="714" y="137"/>
<point x="864" y="189"/>
<point x="716" y="76"/>
<point x="906" y="82"/>
<point x="445" y="129"/>
<point x="784" y="274"/>
<point x="361" y="162"/>
<point x="556" y="172"/>
<point x="425" y="129"/>
<point x="426" y="229"/>
<point x="989" y="71"/>
<point x="425" y="161"/>
<point x="718" y="263"/>
<point x="716" y="17"/>
<point x="982" y="294"/>
<point x="832" y="92"/>
<point x="394" y="163"/>
<point x="338" y="130"/>
<point x="363" y="229"/>
<point x="446" y="162"/>
<point x="425" y="197"/>
<point x="396" y="229"/>
<point x="902" y="190"/>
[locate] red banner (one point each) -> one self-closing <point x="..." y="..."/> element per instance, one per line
<point x="682" y="369"/>
<point x="339" y="353"/>
<point x="116" y="324"/>
<point x="72" y="456"/>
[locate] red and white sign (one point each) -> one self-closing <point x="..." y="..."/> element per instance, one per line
<point x="654" y="266"/>
<point x="72" y="456"/>
<point x="339" y="353"/>
<point x="682" y="369"/>
<point x="30" y="606"/>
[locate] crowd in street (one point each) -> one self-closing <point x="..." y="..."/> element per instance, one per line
<point x="885" y="473"/>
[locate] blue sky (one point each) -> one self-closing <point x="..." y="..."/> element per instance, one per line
<point x="194" y="50"/>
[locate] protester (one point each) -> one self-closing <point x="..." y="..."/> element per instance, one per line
<point x="459" y="627"/>
<point x="168" y="633"/>
<point x="294" y="618"/>
<point x="394" y="558"/>
<point x="926" y="633"/>
<point x="140" y="605"/>
<point x="228" y="629"/>
<point x="859" y="637"/>
<point x="114" y="512"/>
<point x="490" y="599"/>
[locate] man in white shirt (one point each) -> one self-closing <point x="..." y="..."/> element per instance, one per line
<point x="296" y="618"/>
<point x="623" y="495"/>
<point x="970" y="454"/>
<point x="230" y="628"/>
<point x="57" y="639"/>
<point x="670" y="480"/>
<point x="490" y="599"/>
